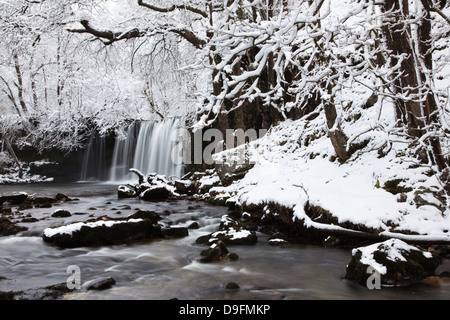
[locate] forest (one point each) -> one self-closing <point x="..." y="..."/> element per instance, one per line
<point x="324" y="118"/>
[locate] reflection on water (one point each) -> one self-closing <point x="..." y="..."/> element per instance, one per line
<point x="168" y="269"/>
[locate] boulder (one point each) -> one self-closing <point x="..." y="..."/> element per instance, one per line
<point x="194" y="225"/>
<point x="232" y="165"/>
<point x="124" y="191"/>
<point x="25" y="205"/>
<point x="13" y="198"/>
<point x="231" y="231"/>
<point x="55" y="291"/>
<point x="277" y="242"/>
<point x="393" y="261"/>
<point x="232" y="286"/>
<point x="144" y="214"/>
<point x="153" y="187"/>
<point x="156" y="193"/>
<point x="61" y="213"/>
<point x="40" y="200"/>
<point x="62" y="197"/>
<point x="217" y="252"/>
<point x="8" y="228"/>
<point x="101" y="232"/>
<point x="101" y="284"/>
<point x="185" y="187"/>
<point x="176" y="232"/>
<point x="29" y="220"/>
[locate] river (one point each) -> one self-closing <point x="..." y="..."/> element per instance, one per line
<point x="167" y="269"/>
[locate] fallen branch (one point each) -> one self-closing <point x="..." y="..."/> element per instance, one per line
<point x="333" y="230"/>
<point x="139" y="174"/>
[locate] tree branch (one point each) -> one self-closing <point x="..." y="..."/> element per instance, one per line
<point x="113" y="36"/>
<point x="110" y="36"/>
<point x="431" y="8"/>
<point x="173" y="8"/>
<point x="189" y="36"/>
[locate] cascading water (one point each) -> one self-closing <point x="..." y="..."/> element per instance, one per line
<point x="123" y="154"/>
<point x="148" y="147"/>
<point x="94" y="167"/>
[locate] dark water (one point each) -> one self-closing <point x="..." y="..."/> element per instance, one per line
<point x="168" y="269"/>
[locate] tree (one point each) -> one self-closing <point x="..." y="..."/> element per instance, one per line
<point x="416" y="103"/>
<point x="61" y="85"/>
<point x="269" y="61"/>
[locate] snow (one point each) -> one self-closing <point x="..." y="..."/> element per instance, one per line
<point x="209" y="180"/>
<point x="74" y="227"/>
<point x="393" y="248"/>
<point x="231" y="233"/>
<point x="293" y="162"/>
<point x="289" y="173"/>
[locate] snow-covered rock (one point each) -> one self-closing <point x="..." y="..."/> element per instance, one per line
<point x="394" y="261"/>
<point x="217" y="252"/>
<point x="153" y="187"/>
<point x="230" y="231"/>
<point x="110" y="232"/>
<point x="124" y="191"/>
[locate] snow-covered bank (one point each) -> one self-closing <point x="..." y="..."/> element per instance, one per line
<point x="382" y="188"/>
<point x="9" y="173"/>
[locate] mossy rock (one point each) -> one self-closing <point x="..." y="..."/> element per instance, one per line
<point x="394" y="187"/>
<point x="429" y="197"/>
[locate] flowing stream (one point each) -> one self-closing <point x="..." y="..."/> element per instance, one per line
<point x="166" y="269"/>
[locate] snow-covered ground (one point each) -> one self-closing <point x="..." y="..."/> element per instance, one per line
<point x="295" y="165"/>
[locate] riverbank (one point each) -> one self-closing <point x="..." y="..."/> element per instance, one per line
<point x="294" y="178"/>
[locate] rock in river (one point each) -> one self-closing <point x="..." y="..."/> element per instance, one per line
<point x="156" y="193"/>
<point x="231" y="231"/>
<point x="110" y="232"/>
<point x="8" y="228"/>
<point x="101" y="284"/>
<point x="393" y="261"/>
<point x="124" y="191"/>
<point x="13" y="198"/>
<point x="61" y="213"/>
<point x="217" y="252"/>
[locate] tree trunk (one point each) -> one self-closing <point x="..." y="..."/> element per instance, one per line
<point x="19" y="84"/>
<point x="425" y="51"/>
<point x="13" y="155"/>
<point x="397" y="34"/>
<point x="419" y="116"/>
<point x="337" y="136"/>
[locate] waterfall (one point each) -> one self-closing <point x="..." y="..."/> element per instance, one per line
<point x="148" y="147"/>
<point x="123" y="154"/>
<point x="94" y="167"/>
